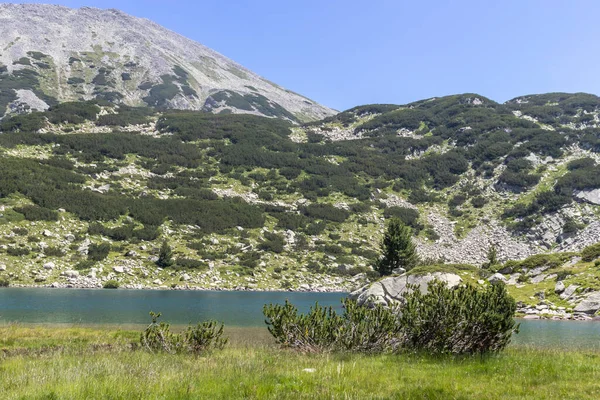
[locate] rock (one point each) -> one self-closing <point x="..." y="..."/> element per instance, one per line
<point x="538" y="278"/>
<point x="69" y="237"/>
<point x="559" y="287"/>
<point x="185" y="277"/>
<point x="399" y="271"/>
<point x="531" y="317"/>
<point x="590" y="304"/>
<point x="71" y="274"/>
<point x="497" y="278"/>
<point x="49" y="265"/>
<point x="84" y="247"/>
<point x="119" y="269"/>
<point x="569" y="291"/>
<point x="157" y="282"/>
<point x="103" y="188"/>
<point x="131" y="253"/>
<point x="47" y="233"/>
<point x="2" y="267"/>
<point x="389" y="291"/>
<point x="309" y="370"/>
<point x="591" y="196"/>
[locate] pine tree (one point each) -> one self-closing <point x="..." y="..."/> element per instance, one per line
<point x="397" y="248"/>
<point x="492" y="257"/>
<point x="165" y="256"/>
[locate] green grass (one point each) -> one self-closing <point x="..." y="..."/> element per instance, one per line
<point x="74" y="363"/>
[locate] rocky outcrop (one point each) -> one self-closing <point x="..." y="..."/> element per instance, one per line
<point x="591" y="196"/>
<point x="88" y="52"/>
<point x="590" y="305"/>
<point x="389" y="291"/>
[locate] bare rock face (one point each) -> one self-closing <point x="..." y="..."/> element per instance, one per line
<point x="69" y="54"/>
<point x="590" y="305"/>
<point x="389" y="291"/>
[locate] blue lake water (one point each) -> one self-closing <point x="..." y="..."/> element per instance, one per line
<point x="235" y="309"/>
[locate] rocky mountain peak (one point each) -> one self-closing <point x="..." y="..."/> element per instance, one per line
<point x="57" y="54"/>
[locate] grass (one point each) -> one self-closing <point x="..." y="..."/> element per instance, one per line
<point x="75" y="362"/>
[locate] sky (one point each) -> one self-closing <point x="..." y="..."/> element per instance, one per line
<point x="344" y="53"/>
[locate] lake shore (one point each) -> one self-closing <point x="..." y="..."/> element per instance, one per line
<point x="81" y="362"/>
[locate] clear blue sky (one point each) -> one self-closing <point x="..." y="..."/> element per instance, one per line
<point x="344" y="53"/>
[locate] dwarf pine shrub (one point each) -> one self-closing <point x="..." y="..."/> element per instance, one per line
<point x="460" y="320"/>
<point x="207" y="335"/>
<point x="322" y="329"/>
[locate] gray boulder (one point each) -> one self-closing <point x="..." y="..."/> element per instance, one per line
<point x="559" y="287"/>
<point x="590" y="305"/>
<point x="497" y="278"/>
<point x="389" y="291"/>
<point x="591" y="196"/>
<point x="569" y="291"/>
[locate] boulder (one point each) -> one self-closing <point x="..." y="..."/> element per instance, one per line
<point x="559" y="287"/>
<point x="2" y="267"/>
<point x="119" y="269"/>
<point x="389" y="291"/>
<point x="157" y="282"/>
<point x="497" y="277"/>
<point x="591" y="196"/>
<point x="590" y="305"/>
<point x="49" y="265"/>
<point x="71" y="274"/>
<point x="569" y="291"/>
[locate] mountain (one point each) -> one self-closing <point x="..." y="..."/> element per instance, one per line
<point x="51" y="54"/>
<point x="89" y="192"/>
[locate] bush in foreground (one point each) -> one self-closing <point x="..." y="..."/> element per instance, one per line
<point x="205" y="336"/>
<point x="322" y="329"/>
<point x="461" y="320"/>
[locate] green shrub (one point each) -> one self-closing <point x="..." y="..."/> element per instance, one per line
<point x="20" y="231"/>
<point x="18" y="251"/>
<point x="590" y="253"/>
<point x="84" y="265"/>
<point x="322" y="329"/>
<point x="36" y="213"/>
<point x="190" y="263"/>
<point x="111" y="284"/>
<point x="98" y="252"/>
<point x="53" y="251"/>
<point x="157" y="337"/>
<point x="273" y="242"/>
<point x="4" y="282"/>
<point x="460" y="320"/>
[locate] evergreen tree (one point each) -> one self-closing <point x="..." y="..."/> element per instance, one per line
<point x="492" y="257"/>
<point x="165" y="256"/>
<point x="397" y="248"/>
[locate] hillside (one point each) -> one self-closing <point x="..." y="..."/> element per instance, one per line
<point x="90" y="191"/>
<point x="51" y="54"/>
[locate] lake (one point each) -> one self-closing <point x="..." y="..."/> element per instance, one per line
<point x="235" y="309"/>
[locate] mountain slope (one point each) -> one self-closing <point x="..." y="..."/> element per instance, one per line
<point x="89" y="193"/>
<point x="52" y="53"/>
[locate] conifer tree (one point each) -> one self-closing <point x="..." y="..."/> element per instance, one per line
<point x="165" y="256"/>
<point x="397" y="248"/>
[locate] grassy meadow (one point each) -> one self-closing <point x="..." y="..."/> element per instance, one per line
<point x="41" y="362"/>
